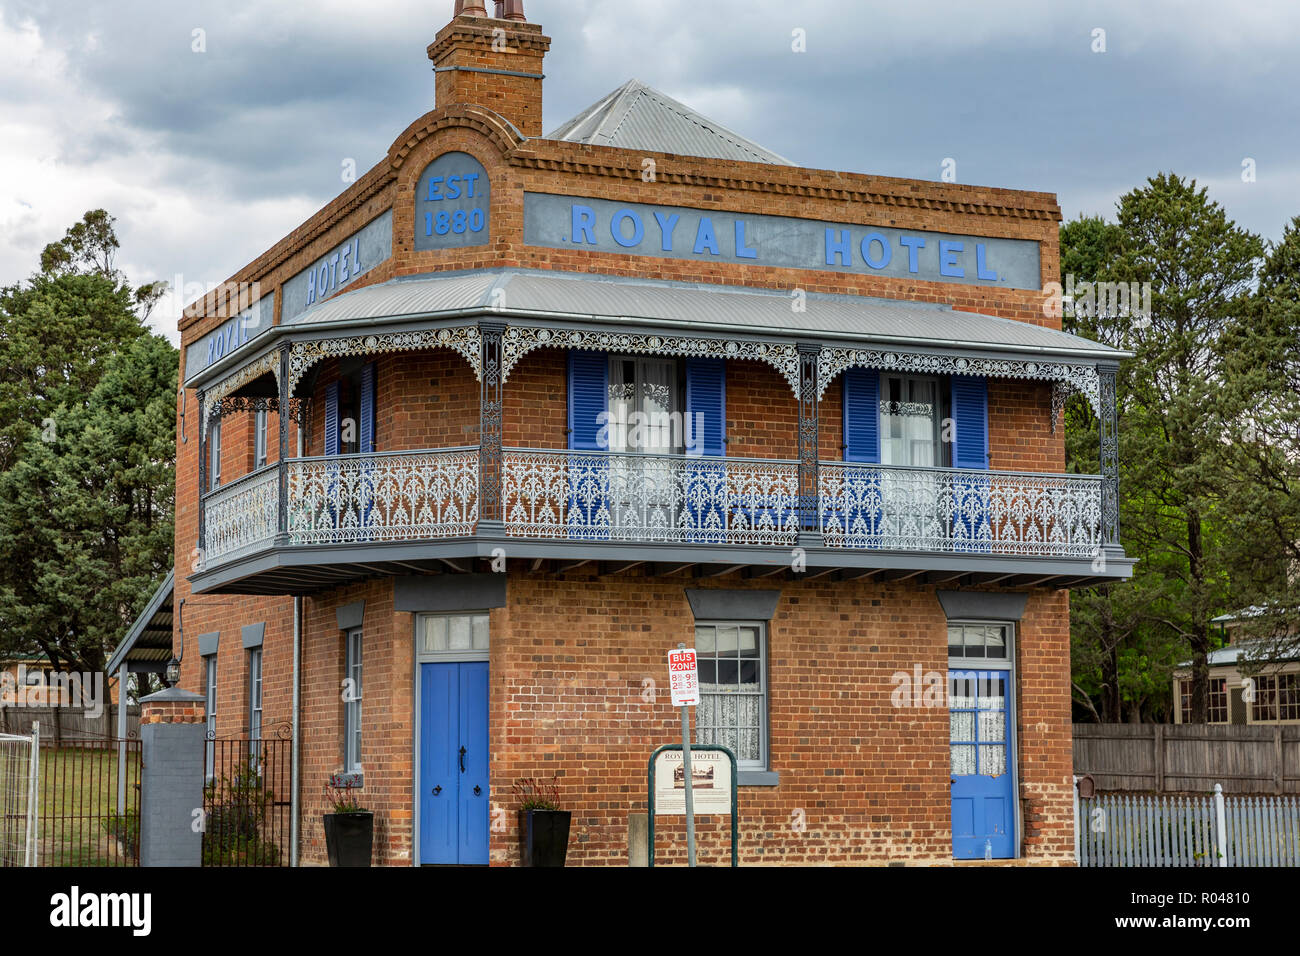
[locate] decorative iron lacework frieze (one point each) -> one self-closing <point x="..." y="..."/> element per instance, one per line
<point x="520" y="340"/>
<point x="1075" y="377"/>
<point x="270" y="362"/>
<point x="303" y="355"/>
<point x="241" y="403"/>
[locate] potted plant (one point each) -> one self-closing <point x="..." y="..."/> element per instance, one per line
<point x="543" y="826"/>
<point x="350" y="829"/>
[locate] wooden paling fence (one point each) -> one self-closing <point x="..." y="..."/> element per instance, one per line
<point x="1183" y="758"/>
<point x="1120" y="829"/>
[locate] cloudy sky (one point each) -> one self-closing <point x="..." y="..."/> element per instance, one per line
<point x="209" y="156"/>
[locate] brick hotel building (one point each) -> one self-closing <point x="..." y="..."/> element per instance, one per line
<point x="515" y="414"/>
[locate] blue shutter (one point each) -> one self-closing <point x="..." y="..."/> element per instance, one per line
<point x="588" y="397"/>
<point x="862" y="415"/>
<point x="706" y="405"/>
<point x="367" y="484"/>
<point x="705" y="493"/>
<point x="970" y="450"/>
<point x="368" y="409"/>
<point x="332" y="449"/>
<point x="970" y="413"/>
<point x="332" y="419"/>
<point x="860" y="511"/>
<point x="588" y="515"/>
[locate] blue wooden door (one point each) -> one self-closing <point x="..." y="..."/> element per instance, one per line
<point x="982" y="765"/>
<point x="454" y="763"/>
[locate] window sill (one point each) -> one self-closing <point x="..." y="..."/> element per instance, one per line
<point x="757" y="778"/>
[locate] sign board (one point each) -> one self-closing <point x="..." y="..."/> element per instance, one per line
<point x="679" y="232"/>
<point x="683" y="678"/>
<point x="338" y="268"/>
<point x="452" y="203"/>
<point x="711" y="793"/>
<point x="222" y="341"/>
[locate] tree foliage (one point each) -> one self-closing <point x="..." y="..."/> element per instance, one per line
<point x="87" y="452"/>
<point x="1200" y="267"/>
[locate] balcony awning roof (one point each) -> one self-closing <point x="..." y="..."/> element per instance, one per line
<point x="148" y="644"/>
<point x="735" y="310"/>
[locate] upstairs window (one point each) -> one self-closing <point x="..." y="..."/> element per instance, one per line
<point x="259" y="438"/>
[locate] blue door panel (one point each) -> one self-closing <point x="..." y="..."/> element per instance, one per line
<point x="454" y="820"/>
<point x="439" y="719"/>
<point x="983" y="803"/>
<point x="474" y="817"/>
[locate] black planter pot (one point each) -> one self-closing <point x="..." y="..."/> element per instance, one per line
<point x="543" y="837"/>
<point x="349" y="837"/>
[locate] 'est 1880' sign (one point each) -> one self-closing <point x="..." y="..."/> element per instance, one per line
<point x="452" y="203"/>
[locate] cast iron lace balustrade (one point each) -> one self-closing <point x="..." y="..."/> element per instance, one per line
<point x="603" y="496"/>
<point x="241" y="516"/>
<point x="953" y="511"/>
<point x="390" y="497"/>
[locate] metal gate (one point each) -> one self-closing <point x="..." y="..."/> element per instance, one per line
<point x="19" y="773"/>
<point x="246" y="801"/>
<point x="89" y="806"/>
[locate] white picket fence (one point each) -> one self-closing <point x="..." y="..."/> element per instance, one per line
<point x="1120" y="829"/>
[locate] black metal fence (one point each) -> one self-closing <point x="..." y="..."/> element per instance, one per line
<point x="89" y="810"/>
<point x="246" y="801"/>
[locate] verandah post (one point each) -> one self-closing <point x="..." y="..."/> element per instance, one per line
<point x="808" y="506"/>
<point x="1108" y="436"/>
<point x="490" y="427"/>
<point x="282" y="507"/>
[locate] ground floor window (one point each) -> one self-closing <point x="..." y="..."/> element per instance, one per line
<point x="1277" y="698"/>
<point x="352" y="703"/>
<point x="733" y="690"/>
<point x="978" y="699"/>
<point x="1217" y="706"/>
<point x="210" y="680"/>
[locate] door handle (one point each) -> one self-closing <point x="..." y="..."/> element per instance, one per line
<point x="437" y="790"/>
<point x="462" y="759"/>
<point x="477" y="790"/>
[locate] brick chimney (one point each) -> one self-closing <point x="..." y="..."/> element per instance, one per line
<point x="494" y="62"/>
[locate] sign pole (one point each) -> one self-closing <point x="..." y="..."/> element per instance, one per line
<point x="684" y="684"/>
<point x="690" y="782"/>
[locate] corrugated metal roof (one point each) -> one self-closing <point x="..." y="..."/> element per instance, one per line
<point x="727" y="309"/>
<point x="150" y="637"/>
<point x="636" y="116"/>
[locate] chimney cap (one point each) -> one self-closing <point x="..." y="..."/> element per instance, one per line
<point x="472" y="8"/>
<point x="510" y="10"/>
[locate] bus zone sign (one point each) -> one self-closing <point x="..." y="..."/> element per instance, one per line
<point x="683" y="678"/>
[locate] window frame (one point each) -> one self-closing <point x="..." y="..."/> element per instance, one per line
<point x="1184" y="687"/>
<point x="254" y="693"/>
<point x="214" y="455"/>
<point x="210" y="703"/>
<point x="764" y="763"/>
<point x="1276" y="705"/>
<point x="353" y="664"/>
<point x="261" y="429"/>
<point x="1007" y="664"/>
<point x="941" y="450"/>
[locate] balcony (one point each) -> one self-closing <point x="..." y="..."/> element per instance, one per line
<point x="352" y="515"/>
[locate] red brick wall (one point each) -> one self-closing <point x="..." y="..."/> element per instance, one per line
<point x="536" y="396"/>
<point x="762" y="413"/>
<point x="1020" y="427"/>
<point x="867" y="780"/>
